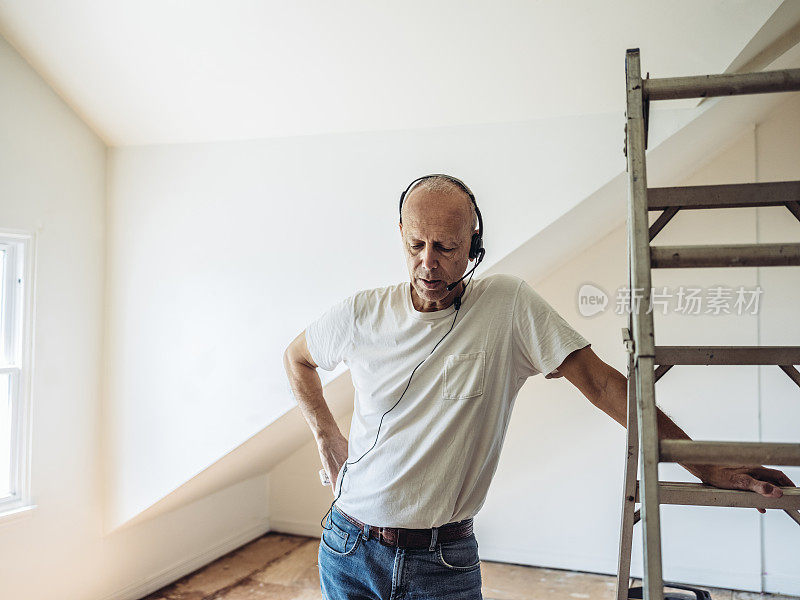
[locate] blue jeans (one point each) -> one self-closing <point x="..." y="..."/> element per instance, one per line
<point x="352" y="567"/>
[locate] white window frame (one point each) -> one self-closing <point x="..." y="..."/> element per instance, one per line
<point x="16" y="358"/>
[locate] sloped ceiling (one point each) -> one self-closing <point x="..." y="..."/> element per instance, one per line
<point x="156" y="71"/>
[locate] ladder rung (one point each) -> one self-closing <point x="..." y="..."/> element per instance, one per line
<point x="737" y="195"/>
<point x="725" y="84"/>
<point x="729" y="453"/>
<point x="742" y="255"/>
<point x="699" y="494"/>
<point x="727" y="355"/>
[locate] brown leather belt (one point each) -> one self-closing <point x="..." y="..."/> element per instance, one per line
<point x="399" y="537"/>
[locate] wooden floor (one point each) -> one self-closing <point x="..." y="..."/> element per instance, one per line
<point x="284" y="567"/>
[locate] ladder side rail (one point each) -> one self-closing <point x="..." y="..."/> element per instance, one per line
<point x="627" y="520"/>
<point x="642" y="321"/>
<point x="650" y="500"/>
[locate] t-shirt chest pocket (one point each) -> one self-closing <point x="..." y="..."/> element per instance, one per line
<point x="463" y="375"/>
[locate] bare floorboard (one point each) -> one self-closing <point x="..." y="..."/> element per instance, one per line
<point x="278" y="566"/>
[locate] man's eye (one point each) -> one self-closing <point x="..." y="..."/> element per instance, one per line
<point x="442" y="248"/>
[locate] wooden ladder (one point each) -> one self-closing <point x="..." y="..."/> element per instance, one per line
<point x="648" y="362"/>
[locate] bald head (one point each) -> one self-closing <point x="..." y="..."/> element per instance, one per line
<point x="445" y="199"/>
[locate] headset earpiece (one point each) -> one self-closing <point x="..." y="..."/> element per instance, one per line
<point x="476" y="245"/>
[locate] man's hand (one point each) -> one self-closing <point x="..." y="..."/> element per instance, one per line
<point x="333" y="453"/>
<point x="756" y="479"/>
<point x="307" y="389"/>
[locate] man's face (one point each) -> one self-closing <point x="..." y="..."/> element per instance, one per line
<point x="436" y="232"/>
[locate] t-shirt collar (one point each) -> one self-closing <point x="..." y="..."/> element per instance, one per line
<point x="435" y="314"/>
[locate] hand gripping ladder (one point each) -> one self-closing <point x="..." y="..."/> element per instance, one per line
<point x="648" y="362"/>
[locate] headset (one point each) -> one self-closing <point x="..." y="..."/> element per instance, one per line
<point x="477" y="252"/>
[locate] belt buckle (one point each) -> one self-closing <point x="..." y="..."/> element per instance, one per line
<point x="384" y="540"/>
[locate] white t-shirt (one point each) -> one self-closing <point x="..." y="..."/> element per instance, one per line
<point x="438" y="448"/>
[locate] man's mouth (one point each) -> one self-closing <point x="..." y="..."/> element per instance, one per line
<point x="430" y="283"/>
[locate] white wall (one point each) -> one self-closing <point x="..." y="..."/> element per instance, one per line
<point x="555" y="499"/>
<point x="52" y="181"/>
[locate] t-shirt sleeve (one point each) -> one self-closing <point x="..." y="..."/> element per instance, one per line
<point x="330" y="337"/>
<point x="542" y="338"/>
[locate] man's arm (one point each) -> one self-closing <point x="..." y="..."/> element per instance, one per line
<point x="307" y="388"/>
<point x="607" y="389"/>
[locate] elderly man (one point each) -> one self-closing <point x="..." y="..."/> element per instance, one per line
<point x="437" y="363"/>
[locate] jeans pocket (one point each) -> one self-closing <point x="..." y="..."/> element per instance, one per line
<point x="339" y="541"/>
<point x="459" y="555"/>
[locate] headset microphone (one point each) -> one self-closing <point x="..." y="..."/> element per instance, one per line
<point x="477" y="262"/>
<point x="457" y="299"/>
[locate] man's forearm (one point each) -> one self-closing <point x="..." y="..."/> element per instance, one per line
<point x="307" y="388"/>
<point x="613" y="400"/>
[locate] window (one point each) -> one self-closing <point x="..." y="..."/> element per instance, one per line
<point x="16" y="276"/>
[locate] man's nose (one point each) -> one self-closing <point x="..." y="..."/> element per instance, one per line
<point x="429" y="258"/>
